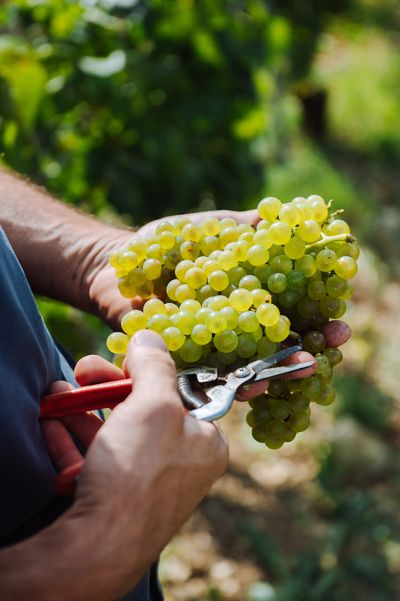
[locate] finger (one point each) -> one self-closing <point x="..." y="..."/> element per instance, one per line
<point x="300" y="357"/>
<point x="59" y="386"/>
<point x="336" y="332"/>
<point x="250" y="391"/>
<point x="83" y="427"/>
<point x="152" y="369"/>
<point x="93" y="369"/>
<point x="60" y="445"/>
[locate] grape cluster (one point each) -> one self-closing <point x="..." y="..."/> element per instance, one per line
<point x="222" y="293"/>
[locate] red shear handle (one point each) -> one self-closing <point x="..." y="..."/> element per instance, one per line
<point x="86" y="398"/>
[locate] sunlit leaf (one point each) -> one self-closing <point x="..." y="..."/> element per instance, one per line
<point x="103" y="67"/>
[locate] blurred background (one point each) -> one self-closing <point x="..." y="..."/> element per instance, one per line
<point x="135" y="109"/>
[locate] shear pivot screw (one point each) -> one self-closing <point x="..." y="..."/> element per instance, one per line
<point x="242" y="372"/>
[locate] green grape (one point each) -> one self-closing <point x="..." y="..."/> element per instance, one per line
<point x="190" y="305"/>
<point x="337" y="226"/>
<point x="227" y="358"/>
<point x="217" y="302"/>
<point x="280" y="233"/>
<point x="210" y="226"/>
<point x="330" y="306"/>
<point x="277" y="282"/>
<point x="218" y="280"/>
<point x="250" y="419"/>
<point x="260" y="296"/>
<point x="263" y="224"/>
<point x="113" y="259"/>
<point x="305" y="210"/>
<point x="268" y="314"/>
<point x="262" y="273"/>
<point x="200" y="261"/>
<point x="182" y="268"/>
<point x="265" y="348"/>
<point x="324" y="368"/>
<point x="117" y="343"/>
<point x="191" y="232"/>
<point x="248" y="321"/>
<point x="279" y="408"/>
<point x="275" y="428"/>
<point x="307" y="265"/>
<point x="235" y="275"/>
<point x="299" y="421"/>
<point x="153" y="306"/>
<point x="145" y="290"/>
<point x="316" y="290"/>
<point x="262" y="238"/>
<point x="152" y="268"/>
<point x="281" y="264"/>
<point x="173" y="338"/>
<point x="345" y="267"/>
<point x="241" y="299"/>
<point x="172" y="258"/>
<point x="257" y="255"/>
<point x="133" y="321"/>
<point x="138" y="246"/>
<point x="165" y="226"/>
<point x="318" y="320"/>
<point x="309" y="231"/>
<point x="249" y="282"/>
<point x="202" y="314"/>
<point x="298" y="402"/>
<point x="226" y="341"/>
<point x="244" y="227"/>
<point x="288" y="298"/>
<point x="118" y="360"/>
<point x="204" y="292"/>
<point x="333" y="354"/>
<point x="307" y="307"/>
<point x="295" y="248"/>
<point x="210" y="266"/>
<point x="209" y="244"/>
<point x="128" y="260"/>
<point x="277" y="388"/>
<point x="231" y="316"/>
<point x="171" y="308"/>
<point x="258" y="433"/>
<point x="154" y="251"/>
<point x="257" y="333"/>
<point x="279" y="331"/>
<point x="190" y="352"/>
<point x="171" y="288"/>
<point x="184" y="321"/>
<point x="240" y="250"/>
<point x="327" y="395"/>
<point x="318" y="207"/>
<point x="227" y="260"/>
<point x="166" y="240"/>
<point x="246" y="347"/>
<point x="184" y="292"/>
<point x="314" y="342"/>
<point x="335" y="286"/>
<point x="296" y="280"/>
<point x="325" y="259"/>
<point x="126" y="287"/>
<point x="268" y="208"/>
<point x="273" y="443"/>
<point x="195" y="277"/>
<point x="189" y="250"/>
<point x="159" y="323"/>
<point x="201" y="334"/>
<point x="290" y="214"/>
<point x="215" y="322"/>
<point x="311" y="388"/>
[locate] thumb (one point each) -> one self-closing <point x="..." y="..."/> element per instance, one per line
<point x="152" y="369"/>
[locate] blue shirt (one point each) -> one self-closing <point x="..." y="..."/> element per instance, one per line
<point x="29" y="363"/>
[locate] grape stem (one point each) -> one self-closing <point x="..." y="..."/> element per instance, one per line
<point x="327" y="239"/>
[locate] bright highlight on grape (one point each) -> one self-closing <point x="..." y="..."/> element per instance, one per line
<point x="222" y="293"/>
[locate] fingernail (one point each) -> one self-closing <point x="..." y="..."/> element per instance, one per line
<point x="149" y="338"/>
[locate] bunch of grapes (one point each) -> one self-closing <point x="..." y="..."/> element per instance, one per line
<point x="222" y="293"/>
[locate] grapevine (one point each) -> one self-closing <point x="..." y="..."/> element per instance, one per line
<point x="221" y="293"/>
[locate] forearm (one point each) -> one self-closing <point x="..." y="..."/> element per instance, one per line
<point x="59" y="248"/>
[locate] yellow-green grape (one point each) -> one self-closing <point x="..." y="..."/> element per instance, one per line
<point x="257" y="255"/>
<point x="226" y="341"/>
<point x="260" y="296"/>
<point x="152" y="268"/>
<point x="195" y="277"/>
<point x="165" y="226"/>
<point x="128" y="260"/>
<point x="277" y="282"/>
<point x="296" y="280"/>
<point x="182" y="268"/>
<point x="191" y="232"/>
<point x="154" y="251"/>
<point x="190" y="305"/>
<point x="268" y="314"/>
<point x="246" y="347"/>
<point x="279" y="408"/>
<point x="235" y="275"/>
<point x="289" y="214"/>
<point x="325" y="259"/>
<point x="309" y="231"/>
<point x="189" y="250"/>
<point x="245" y="227"/>
<point x="227" y="358"/>
<point x="218" y="280"/>
<point x="348" y="293"/>
<point x="263" y="238"/>
<point x="258" y="333"/>
<point x="280" y="232"/>
<point x="204" y="292"/>
<point x="337" y="226"/>
<point x="279" y="331"/>
<point x="209" y="244"/>
<point x="119" y="360"/>
<point x="171" y="288"/>
<point x="295" y="248"/>
<point x="250" y="282"/>
<point x="262" y="273"/>
<point x="210" y="266"/>
<point x="298" y="402"/>
<point x="190" y="352"/>
<point x="200" y="261"/>
<point x="152" y="307"/>
<point x="172" y="258"/>
<point x="299" y="421"/>
<point x="336" y="286"/>
<point x="215" y="322"/>
<point x="139" y="247"/>
<point x="210" y="226"/>
<point x="265" y="347"/>
<point x="113" y="259"/>
<point x="171" y="308"/>
<point x="133" y="321"/>
<point x="307" y="265"/>
<point x="227" y="235"/>
<point x="240" y="250"/>
<point x="241" y="299"/>
<point x="316" y="290"/>
<point x="263" y="224"/>
<point x="304" y="207"/>
<point x="231" y="316"/>
<point x="327" y="395"/>
<point x="268" y="208"/>
<point x="117" y="343"/>
<point x="183" y="320"/>
<point x="281" y="264"/>
<point x="202" y="314"/>
<point x="126" y="287"/>
<point x="146" y="289"/>
<point x="180" y="223"/>
<point x="201" y="334"/>
<point x="217" y="302"/>
<point x="334" y="355"/>
<point x="248" y="321"/>
<point x="173" y="338"/>
<point x="227" y="260"/>
<point x="345" y="267"/>
<point x="227" y="222"/>
<point x="159" y="322"/>
<point x="166" y="240"/>
<point x="184" y="292"/>
<point x="318" y="207"/>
